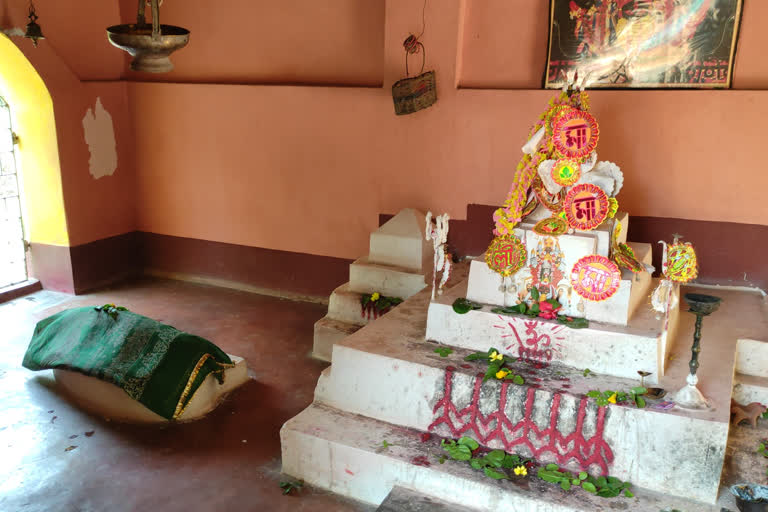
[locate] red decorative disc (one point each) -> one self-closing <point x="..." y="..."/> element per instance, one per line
<point x="586" y="206"/>
<point x="574" y="133"/>
<point x="506" y="255"/>
<point x="595" y="277"/>
<point x="552" y="226"/>
<point x="566" y="172"/>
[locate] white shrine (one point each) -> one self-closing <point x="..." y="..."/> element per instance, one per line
<point x="373" y="432"/>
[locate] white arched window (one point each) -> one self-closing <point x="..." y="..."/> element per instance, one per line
<point x="13" y="263"/>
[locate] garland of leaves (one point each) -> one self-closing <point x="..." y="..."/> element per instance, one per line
<point x="497" y="366"/>
<point x="603" y="398"/>
<point x="497" y="463"/>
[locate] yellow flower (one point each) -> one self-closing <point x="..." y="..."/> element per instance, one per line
<point x="520" y="470"/>
<point x="501" y="374"/>
<point x="375" y="296"/>
<point x="495" y="356"/>
<point x="612" y="398"/>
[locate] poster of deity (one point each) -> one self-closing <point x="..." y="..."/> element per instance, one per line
<point x="643" y="43"/>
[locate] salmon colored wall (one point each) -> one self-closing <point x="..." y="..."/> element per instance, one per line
<point x="308" y="169"/>
<point x="264" y="41"/>
<point x="95" y="209"/>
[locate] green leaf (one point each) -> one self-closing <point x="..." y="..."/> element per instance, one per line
<point x="576" y="481"/>
<point x="614" y="483"/>
<point x="444" y="351"/>
<point x="607" y="492"/>
<point x="586" y="372"/>
<point x="602" y="481"/>
<point x="565" y="485"/>
<point x="496" y="475"/>
<point x="588" y="487"/>
<point x="441" y="460"/>
<point x="510" y="310"/>
<point x="510" y="461"/>
<point x="550" y="476"/>
<point x="554" y="303"/>
<point x="552" y="467"/>
<point x="477" y="463"/>
<point x="640" y="401"/>
<point x="535" y="294"/>
<point x="594" y="394"/>
<point x="495" y="458"/>
<point x="628" y="494"/>
<point x="639" y="390"/>
<point x="469" y="442"/>
<point x="533" y="310"/>
<point x="518" y="379"/>
<point x="476" y="356"/>
<point x="602" y="402"/>
<point x="583" y="475"/>
<point x="463" y="306"/>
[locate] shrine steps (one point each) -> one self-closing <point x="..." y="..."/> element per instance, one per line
<point x="401" y="499"/>
<point x="748" y="388"/>
<point x="344" y="453"/>
<point x="327" y="333"/>
<point x="366" y="276"/>
<point x="344" y="305"/>
<point x="403" y="382"/>
<point x="603" y="348"/>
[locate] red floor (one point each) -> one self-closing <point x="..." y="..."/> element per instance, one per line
<point x="228" y="461"/>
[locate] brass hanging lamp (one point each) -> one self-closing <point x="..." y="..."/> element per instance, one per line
<point x="34" y="32"/>
<point x="152" y="46"/>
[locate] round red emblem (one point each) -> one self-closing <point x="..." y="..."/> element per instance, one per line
<point x="506" y="255"/>
<point x="574" y="133"/>
<point x="586" y="206"/>
<point x="595" y="277"/>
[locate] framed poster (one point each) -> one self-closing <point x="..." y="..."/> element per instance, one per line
<point x="643" y="43"/>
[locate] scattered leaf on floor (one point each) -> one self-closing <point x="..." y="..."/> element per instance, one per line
<point x="73" y="436"/>
<point x="89" y="434"/>
<point x="53" y="419"/>
<point x="70" y="448"/>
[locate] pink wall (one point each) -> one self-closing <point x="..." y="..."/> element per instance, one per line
<point x="95" y="209"/>
<point x="308" y="169"/>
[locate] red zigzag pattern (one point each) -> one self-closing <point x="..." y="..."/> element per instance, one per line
<point x="565" y="448"/>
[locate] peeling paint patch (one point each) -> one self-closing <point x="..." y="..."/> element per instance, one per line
<point x="100" y="137"/>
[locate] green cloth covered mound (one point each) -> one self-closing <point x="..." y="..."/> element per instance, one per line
<point x="157" y="365"/>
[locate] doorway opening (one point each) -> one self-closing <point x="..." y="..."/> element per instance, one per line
<point x="13" y="255"/>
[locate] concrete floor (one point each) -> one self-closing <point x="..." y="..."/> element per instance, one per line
<point x="229" y="460"/>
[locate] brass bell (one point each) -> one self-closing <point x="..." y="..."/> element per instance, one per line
<point x="34" y="32"/>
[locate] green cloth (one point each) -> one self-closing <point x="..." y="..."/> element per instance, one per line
<point x="154" y="363"/>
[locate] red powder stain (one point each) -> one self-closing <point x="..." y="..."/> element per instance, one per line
<point x="420" y="374"/>
<point x="566" y="386"/>
<point x="450" y="369"/>
<point x="396" y="367"/>
<point x="421" y="460"/>
<point x="481" y="374"/>
<point x="536" y="379"/>
<point x="349" y="472"/>
<point x="426" y="436"/>
<point x="466" y="366"/>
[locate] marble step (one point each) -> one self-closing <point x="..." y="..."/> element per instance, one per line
<point x="748" y="389"/>
<point x="367" y="277"/>
<point x="344" y="306"/>
<point x="328" y="332"/>
<point x="752" y="356"/>
<point x="401" y="499"/>
<point x="397" y="378"/>
<point x="605" y="348"/>
<point x="344" y="453"/>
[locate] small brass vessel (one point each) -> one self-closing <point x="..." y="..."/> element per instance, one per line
<point x="150" y="45"/>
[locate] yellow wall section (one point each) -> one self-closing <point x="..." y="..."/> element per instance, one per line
<point x="37" y="152"/>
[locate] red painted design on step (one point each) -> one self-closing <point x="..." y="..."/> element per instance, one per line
<point x="564" y="448"/>
<point x="466" y="366"/>
<point x="421" y="460"/>
<point x="541" y="343"/>
<point x="426" y="436"/>
<point x="349" y="472"/>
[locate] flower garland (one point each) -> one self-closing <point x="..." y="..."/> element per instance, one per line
<point x="511" y="214"/>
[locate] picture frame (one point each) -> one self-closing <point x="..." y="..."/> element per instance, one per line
<point x="643" y="43"/>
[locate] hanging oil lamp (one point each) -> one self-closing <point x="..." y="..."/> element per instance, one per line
<point x="150" y="46"/>
<point x="34" y="32"/>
